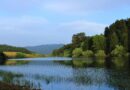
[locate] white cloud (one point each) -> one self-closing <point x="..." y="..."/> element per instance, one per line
<point x="25" y="30"/>
<point x="90" y="28"/>
<point x="83" y="6"/>
<point x="32" y="30"/>
<point x="61" y="6"/>
<point x="21" y="23"/>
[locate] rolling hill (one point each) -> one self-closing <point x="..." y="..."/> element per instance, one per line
<point x="44" y="49"/>
<point x="8" y="48"/>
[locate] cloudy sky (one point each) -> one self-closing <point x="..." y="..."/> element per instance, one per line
<point x="36" y="22"/>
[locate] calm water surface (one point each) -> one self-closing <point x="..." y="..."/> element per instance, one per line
<point x="67" y="74"/>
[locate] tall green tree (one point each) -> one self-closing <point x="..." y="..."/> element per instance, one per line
<point x="116" y="34"/>
<point x="79" y="40"/>
<point x="98" y="42"/>
<point x="113" y="41"/>
<point x="120" y="28"/>
<point x="128" y="27"/>
<point x="107" y="36"/>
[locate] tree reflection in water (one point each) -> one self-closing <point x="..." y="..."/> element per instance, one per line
<point x="114" y="72"/>
<point x="111" y="73"/>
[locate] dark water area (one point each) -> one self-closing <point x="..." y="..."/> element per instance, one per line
<point x="70" y="74"/>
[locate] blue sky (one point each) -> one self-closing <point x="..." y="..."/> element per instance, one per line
<point x="36" y="22"/>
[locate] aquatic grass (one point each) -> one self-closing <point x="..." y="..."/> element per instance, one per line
<point x="16" y="81"/>
<point x="8" y="76"/>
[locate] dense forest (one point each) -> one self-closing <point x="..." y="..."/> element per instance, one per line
<point x="7" y="48"/>
<point x="114" y="42"/>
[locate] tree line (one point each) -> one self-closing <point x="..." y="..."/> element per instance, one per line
<point x="114" y="42"/>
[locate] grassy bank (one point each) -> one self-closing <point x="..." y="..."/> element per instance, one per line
<point x="14" y="55"/>
<point x="22" y="55"/>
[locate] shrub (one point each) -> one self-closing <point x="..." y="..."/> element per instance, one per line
<point x="20" y="55"/>
<point x="88" y="53"/>
<point x="118" y="51"/>
<point x="100" y="53"/>
<point x="2" y="58"/>
<point x="77" y="52"/>
<point x="67" y="53"/>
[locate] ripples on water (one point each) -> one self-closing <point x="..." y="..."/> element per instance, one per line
<point x="67" y="74"/>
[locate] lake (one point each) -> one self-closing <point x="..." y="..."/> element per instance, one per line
<point x="57" y="73"/>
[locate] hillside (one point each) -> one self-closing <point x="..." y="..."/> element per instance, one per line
<point x="8" y="48"/>
<point x="44" y="49"/>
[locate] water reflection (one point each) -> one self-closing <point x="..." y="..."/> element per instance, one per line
<point x="76" y="74"/>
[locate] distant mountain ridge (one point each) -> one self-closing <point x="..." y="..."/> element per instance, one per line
<point x="44" y="49"/>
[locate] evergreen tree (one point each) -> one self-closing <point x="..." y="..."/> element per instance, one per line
<point x="78" y="39"/>
<point x="128" y="27"/>
<point x="113" y="41"/>
<point x="107" y="35"/>
<point x="98" y="42"/>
